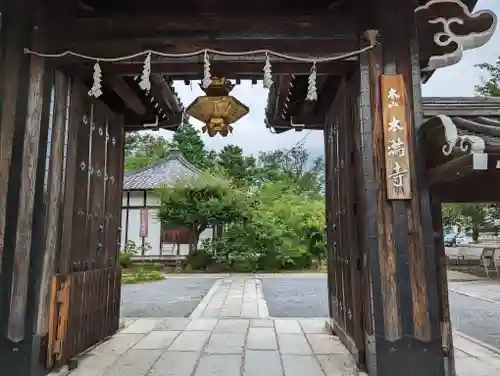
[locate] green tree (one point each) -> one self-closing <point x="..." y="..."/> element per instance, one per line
<point x="199" y="203"/>
<point x="143" y="149"/>
<point x="293" y="165"/>
<point x="188" y="140"/>
<point x="490" y="82"/>
<point x="471" y="216"/>
<point x="236" y="166"/>
<point x="283" y="229"/>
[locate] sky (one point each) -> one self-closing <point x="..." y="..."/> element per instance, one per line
<point x="251" y="134"/>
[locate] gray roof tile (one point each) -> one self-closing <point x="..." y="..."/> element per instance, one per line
<point x="165" y="172"/>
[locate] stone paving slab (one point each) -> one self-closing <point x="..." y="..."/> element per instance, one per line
<point x="246" y="347"/>
<point x="231" y="334"/>
<point x="233" y="297"/>
<point x="219" y="347"/>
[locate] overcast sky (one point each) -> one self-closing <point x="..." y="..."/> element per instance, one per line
<point x="251" y="134"/>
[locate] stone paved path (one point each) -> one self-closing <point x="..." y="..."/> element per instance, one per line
<point x="230" y="334"/>
<point x="219" y="347"/>
<point x="234" y="297"/>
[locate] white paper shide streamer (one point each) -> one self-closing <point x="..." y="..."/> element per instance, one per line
<point x="145" y="83"/>
<point x="207" y="76"/>
<point x="312" y="93"/>
<point x="95" y="90"/>
<point x="268" y="74"/>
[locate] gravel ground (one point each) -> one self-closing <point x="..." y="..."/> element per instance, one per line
<point x="296" y="297"/>
<point x="175" y="297"/>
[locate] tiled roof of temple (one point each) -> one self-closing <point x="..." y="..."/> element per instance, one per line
<point x="166" y="172"/>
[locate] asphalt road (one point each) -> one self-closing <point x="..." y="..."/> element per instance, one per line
<point x="174" y="297"/>
<point x="307" y="297"/>
<point x="476" y="318"/>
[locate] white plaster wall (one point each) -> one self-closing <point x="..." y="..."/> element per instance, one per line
<point x="124" y="225"/>
<point x="154" y="226"/>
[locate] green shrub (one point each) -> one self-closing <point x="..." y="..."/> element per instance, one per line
<point x="126" y="254"/>
<point x="199" y="260"/>
<point x="141" y="275"/>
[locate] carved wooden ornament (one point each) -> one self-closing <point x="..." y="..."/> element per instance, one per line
<point x="471" y="144"/>
<point x="446" y="28"/>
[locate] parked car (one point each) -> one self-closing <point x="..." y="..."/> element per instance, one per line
<point x="463" y="239"/>
<point x="450" y="240"/>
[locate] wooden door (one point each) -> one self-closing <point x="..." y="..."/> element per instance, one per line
<point x="85" y="294"/>
<point x="343" y="246"/>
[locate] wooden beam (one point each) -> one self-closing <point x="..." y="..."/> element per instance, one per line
<point x="125" y="92"/>
<point x="459" y="168"/>
<point x="285" y="85"/>
<point x="161" y="94"/>
<point x="168" y="95"/>
<point x="112" y="48"/>
<point x="453" y="170"/>
<point x="466" y="190"/>
<point x="212" y="27"/>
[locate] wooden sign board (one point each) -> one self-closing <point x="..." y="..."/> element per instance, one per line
<point x="397" y="160"/>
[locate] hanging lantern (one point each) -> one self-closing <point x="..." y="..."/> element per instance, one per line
<point x="217" y="109"/>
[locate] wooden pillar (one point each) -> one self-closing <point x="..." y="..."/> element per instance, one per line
<point x="54" y="199"/>
<point x="399" y="252"/>
<point x="442" y="286"/>
<point x="23" y="146"/>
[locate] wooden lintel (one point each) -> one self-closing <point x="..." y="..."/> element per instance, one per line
<point x="124" y="91"/>
<point x="205" y="27"/>
<point x="461" y="167"/>
<point x="479" y="186"/>
<point x="455" y="169"/>
<point x="243" y="70"/>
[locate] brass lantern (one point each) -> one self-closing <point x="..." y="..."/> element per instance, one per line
<point x="217" y="109"/>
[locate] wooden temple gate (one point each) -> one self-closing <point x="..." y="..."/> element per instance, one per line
<point x="60" y="200"/>
<point x="77" y="189"/>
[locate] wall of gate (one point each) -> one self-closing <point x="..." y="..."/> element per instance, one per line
<point x="84" y="298"/>
<point x="343" y="245"/>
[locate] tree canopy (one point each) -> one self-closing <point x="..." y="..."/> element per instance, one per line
<point x="271" y="205"/>
<point x="199" y="203"/>
<point x="490" y="81"/>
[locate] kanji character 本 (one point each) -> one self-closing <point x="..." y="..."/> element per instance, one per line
<point x="397" y="176"/>
<point x="393" y="98"/>
<point x="395" y="125"/>
<point x="396" y="148"/>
